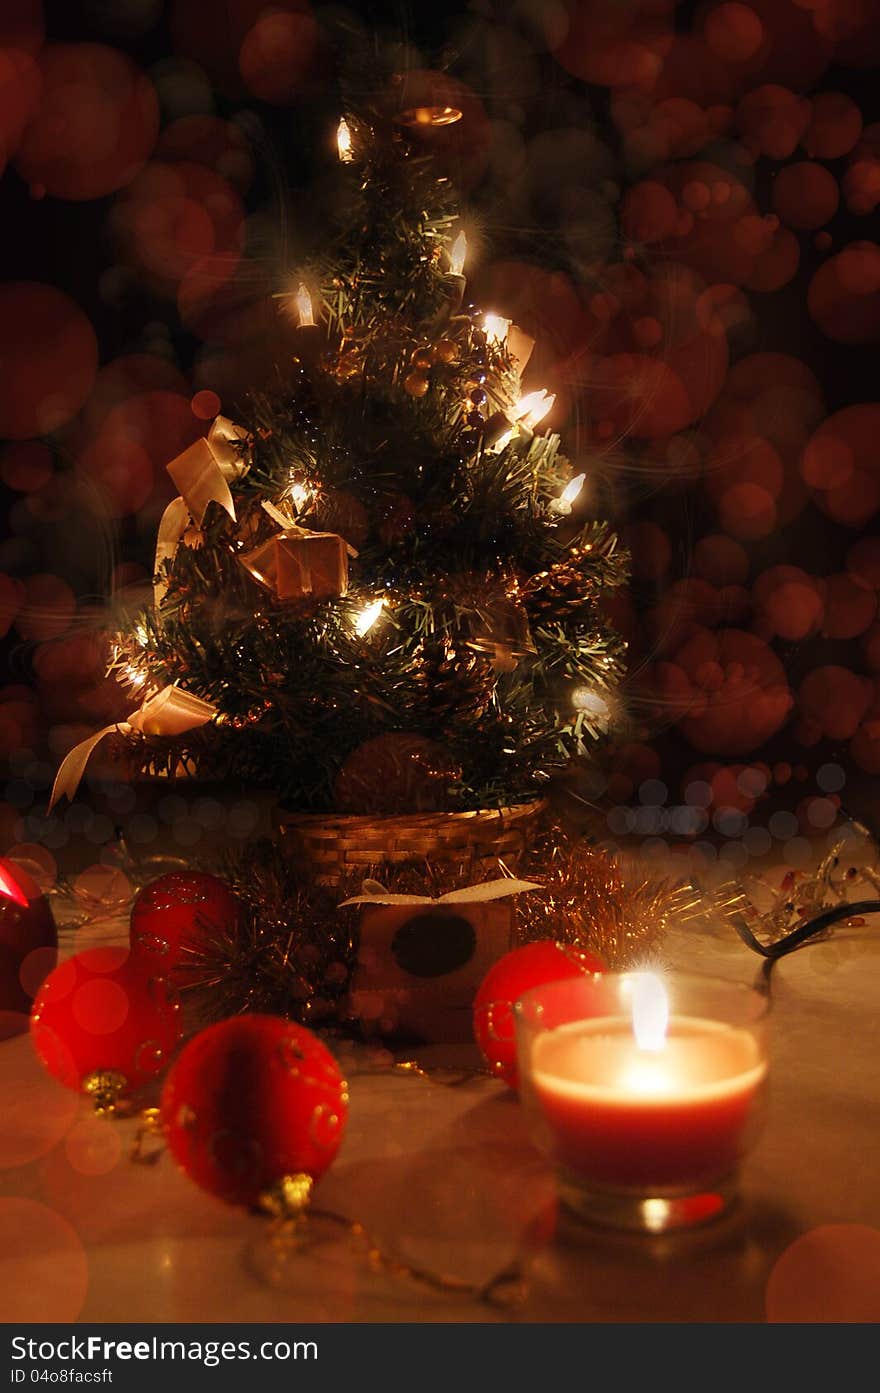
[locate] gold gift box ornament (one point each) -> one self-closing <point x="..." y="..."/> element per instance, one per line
<point x="296" y="564"/>
<point x="422" y="958"/>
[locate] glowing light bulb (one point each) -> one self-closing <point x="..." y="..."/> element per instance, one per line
<point x="298" y="494"/>
<point x="367" y="617"/>
<point x="650" y="1011"/>
<point x="344" y="142"/>
<point x="572" y="489"/>
<point x="457" y="254"/>
<point x="496" y="328"/>
<point x="562" y="504"/>
<point x="531" y="409"/>
<point x="537" y="414"/>
<point x="304" y="306"/>
<point x="133" y="677"/>
<point x="593" y="705"/>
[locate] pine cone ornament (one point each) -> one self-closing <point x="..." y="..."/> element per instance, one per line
<point x="556" y="595"/>
<point x="455" y="682"/>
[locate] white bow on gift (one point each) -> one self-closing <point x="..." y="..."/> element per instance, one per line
<point x="375" y="893"/>
<point x="171" y="711"/>
<point x="202" y="473"/>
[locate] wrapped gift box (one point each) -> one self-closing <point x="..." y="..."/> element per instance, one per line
<point x="297" y="564"/>
<point x="421" y="960"/>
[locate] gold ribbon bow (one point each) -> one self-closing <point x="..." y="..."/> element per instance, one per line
<point x="375" y="893"/>
<point x="202" y="474"/>
<point x="169" y="712"/>
<point x="293" y="528"/>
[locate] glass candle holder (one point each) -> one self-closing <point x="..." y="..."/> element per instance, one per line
<point x="645" y="1091"/>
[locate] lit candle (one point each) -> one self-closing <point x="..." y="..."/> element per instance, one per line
<point x="647" y="1104"/>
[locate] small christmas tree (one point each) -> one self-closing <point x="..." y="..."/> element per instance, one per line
<point x="369" y="577"/>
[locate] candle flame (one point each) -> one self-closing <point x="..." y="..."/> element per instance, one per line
<point x="457" y="254"/>
<point x="343" y="141"/>
<point x="10" y="888"/>
<point x="304" y="306"/>
<point x="367" y="617"/>
<point x="650" y="1011"/>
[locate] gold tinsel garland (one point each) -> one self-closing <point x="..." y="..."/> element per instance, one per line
<point x="602" y="901"/>
<point x="294" y="950"/>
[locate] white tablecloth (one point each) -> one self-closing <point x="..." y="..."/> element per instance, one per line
<point x="446" y="1178"/>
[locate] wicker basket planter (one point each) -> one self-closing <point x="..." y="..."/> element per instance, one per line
<point x="328" y="847"/>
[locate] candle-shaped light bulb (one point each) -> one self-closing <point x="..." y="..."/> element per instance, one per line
<point x="457" y="254"/>
<point x="537" y="413"/>
<point x="531" y="409"/>
<point x="367" y="617"/>
<point x="593" y="705"/>
<point x="298" y="494"/>
<point x="562" y="504"/>
<point x="496" y="329"/>
<point x="650" y="1011"/>
<point x="304" y="306"/>
<point x="572" y="489"/>
<point x="343" y="141"/>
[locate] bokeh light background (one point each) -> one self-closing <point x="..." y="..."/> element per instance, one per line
<point x="679" y="201"/>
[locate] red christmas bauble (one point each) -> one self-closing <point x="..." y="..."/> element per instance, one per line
<point x="28" y="945"/>
<point x="173" y="914"/>
<point x="506" y="981"/>
<point x="98" y="1013"/>
<point x="252" y="1100"/>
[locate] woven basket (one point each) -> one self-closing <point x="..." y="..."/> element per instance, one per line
<point x="328" y="847"/>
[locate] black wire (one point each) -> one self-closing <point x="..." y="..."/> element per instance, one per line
<point x="800" y="936"/>
<point x="804" y="932"/>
